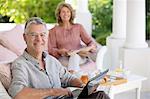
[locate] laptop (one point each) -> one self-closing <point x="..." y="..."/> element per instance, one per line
<point x="90" y="87"/>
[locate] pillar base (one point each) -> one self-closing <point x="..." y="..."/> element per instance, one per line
<point x="114" y="46"/>
<point x="137" y="61"/>
<point x="136" y="45"/>
<point x="117" y="36"/>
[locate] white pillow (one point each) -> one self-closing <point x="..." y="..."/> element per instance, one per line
<point x="6" y="56"/>
<point x="14" y="37"/>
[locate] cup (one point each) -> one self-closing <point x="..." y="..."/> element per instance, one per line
<point x="126" y="73"/>
<point x="84" y="78"/>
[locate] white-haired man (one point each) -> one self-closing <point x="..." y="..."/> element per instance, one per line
<point x="37" y="75"/>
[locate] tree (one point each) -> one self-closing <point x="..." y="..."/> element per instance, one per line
<point x="102" y="19"/>
<point x="20" y="10"/>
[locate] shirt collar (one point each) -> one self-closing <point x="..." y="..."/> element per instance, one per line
<point x="32" y="59"/>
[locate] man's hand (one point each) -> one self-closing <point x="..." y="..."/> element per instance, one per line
<point x="92" y="89"/>
<point x="61" y="91"/>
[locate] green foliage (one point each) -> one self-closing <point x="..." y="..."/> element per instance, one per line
<point x="4" y="19"/>
<point x="148" y="6"/>
<point x="148" y="27"/>
<point x="20" y="10"/>
<point x="102" y="38"/>
<point x="148" y="20"/>
<point x="102" y="19"/>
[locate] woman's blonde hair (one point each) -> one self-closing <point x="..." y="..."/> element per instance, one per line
<point x="58" y="10"/>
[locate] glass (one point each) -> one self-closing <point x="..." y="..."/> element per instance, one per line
<point x="84" y="78"/>
<point x="34" y="34"/>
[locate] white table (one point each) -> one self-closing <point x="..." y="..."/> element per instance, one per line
<point x="134" y="82"/>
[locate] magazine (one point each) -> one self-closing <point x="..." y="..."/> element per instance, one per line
<point x="81" y="49"/>
<point x="90" y="87"/>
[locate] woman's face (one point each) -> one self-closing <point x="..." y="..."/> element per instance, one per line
<point x="65" y="14"/>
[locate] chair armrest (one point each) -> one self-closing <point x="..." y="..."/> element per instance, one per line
<point x="3" y="92"/>
<point x="100" y="57"/>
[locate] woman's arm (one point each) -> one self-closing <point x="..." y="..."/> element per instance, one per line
<point x="87" y="39"/>
<point x="52" y="44"/>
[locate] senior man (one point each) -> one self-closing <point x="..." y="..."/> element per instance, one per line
<point x="37" y="75"/>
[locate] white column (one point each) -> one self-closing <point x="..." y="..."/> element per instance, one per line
<point x="69" y="1"/>
<point x="82" y="5"/>
<point x="135" y="37"/>
<point x="83" y="15"/>
<point x="136" y="54"/>
<point x="117" y="38"/>
<point x="119" y="19"/>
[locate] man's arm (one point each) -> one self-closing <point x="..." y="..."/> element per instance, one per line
<point x="32" y="93"/>
<point x="19" y="88"/>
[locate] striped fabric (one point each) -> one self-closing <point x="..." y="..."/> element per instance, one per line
<point x="3" y="92"/>
<point x="5" y="75"/>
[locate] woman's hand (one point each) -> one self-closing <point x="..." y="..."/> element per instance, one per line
<point x="93" y="48"/>
<point x="86" y="50"/>
<point x="63" y="52"/>
<point x="84" y="53"/>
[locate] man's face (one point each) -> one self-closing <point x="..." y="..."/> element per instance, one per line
<point x="36" y="38"/>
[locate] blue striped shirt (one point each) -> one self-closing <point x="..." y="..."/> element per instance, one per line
<point x="26" y="73"/>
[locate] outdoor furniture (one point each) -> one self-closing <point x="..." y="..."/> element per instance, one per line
<point x="134" y="82"/>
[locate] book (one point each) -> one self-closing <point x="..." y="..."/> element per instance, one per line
<point x="87" y="49"/>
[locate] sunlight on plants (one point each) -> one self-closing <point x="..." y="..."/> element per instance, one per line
<point x="102" y="19"/>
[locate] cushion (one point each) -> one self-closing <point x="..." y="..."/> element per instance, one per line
<point x="89" y="67"/>
<point x="6" y="56"/>
<point x="3" y="92"/>
<point x="14" y="37"/>
<point x="5" y="75"/>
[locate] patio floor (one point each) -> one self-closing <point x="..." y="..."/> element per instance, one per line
<point x="132" y="95"/>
